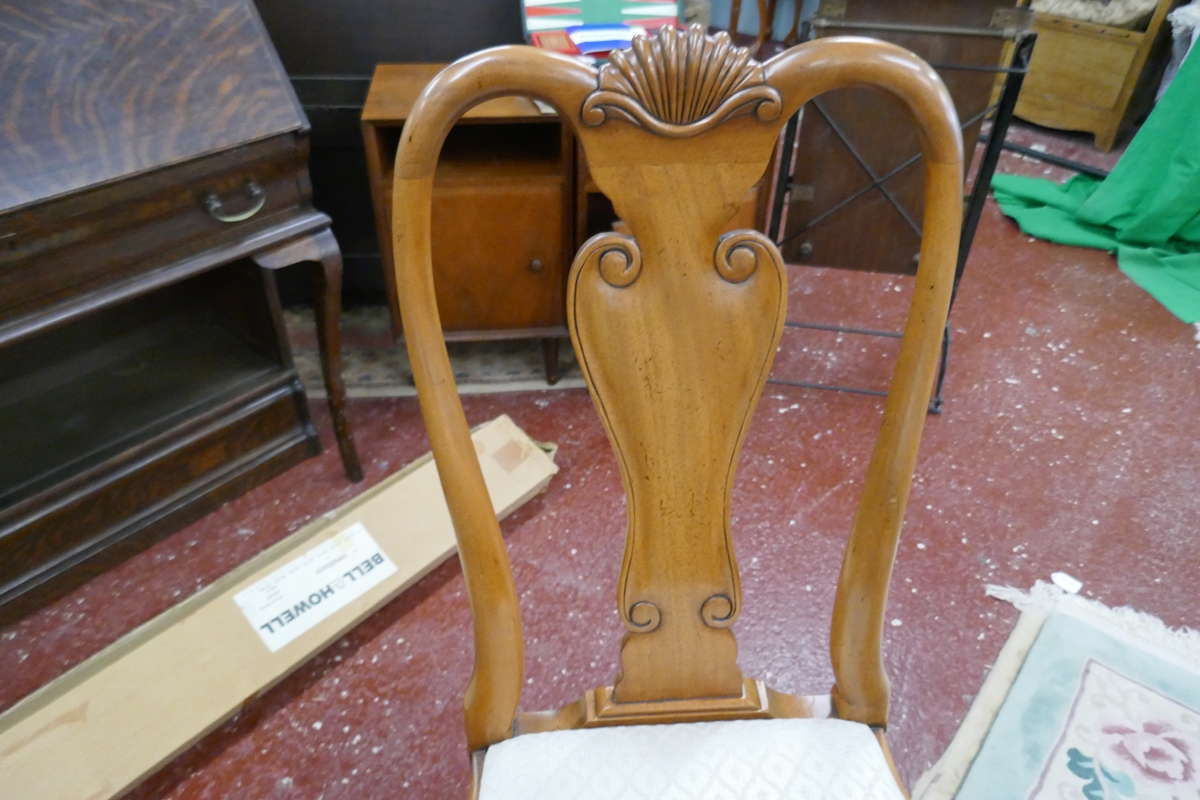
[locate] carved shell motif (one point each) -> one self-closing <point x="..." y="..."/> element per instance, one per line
<point x="681" y="83"/>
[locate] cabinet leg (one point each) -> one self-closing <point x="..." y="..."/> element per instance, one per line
<point x="794" y="34"/>
<point x="766" y="21"/>
<point x="321" y="250"/>
<point x="1106" y="137"/>
<point x="550" y="359"/>
<point x="328" y="279"/>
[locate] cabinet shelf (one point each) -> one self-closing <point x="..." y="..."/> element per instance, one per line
<point x="490" y="154"/>
<point x="145" y="374"/>
<point x="122" y="425"/>
<point x="107" y="383"/>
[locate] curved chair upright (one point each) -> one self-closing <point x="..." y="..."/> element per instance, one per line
<point x="675" y="328"/>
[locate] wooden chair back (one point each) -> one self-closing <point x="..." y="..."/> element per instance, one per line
<point x="675" y="329"/>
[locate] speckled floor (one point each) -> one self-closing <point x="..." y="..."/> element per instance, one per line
<point x="1068" y="442"/>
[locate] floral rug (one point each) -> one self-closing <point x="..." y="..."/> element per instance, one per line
<point x="1084" y="702"/>
<point x="373" y="366"/>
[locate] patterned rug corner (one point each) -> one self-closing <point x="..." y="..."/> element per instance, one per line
<point x="1084" y="702"/>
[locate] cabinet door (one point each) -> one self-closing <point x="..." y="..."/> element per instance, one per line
<point x="497" y="256"/>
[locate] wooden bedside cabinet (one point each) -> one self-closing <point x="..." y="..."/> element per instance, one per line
<point x="502" y="212"/>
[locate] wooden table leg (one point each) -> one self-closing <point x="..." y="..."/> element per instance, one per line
<point x="550" y="359"/>
<point x="328" y="278"/>
<point x="766" y="21"/>
<point x="793" y="36"/>
<point x="321" y="250"/>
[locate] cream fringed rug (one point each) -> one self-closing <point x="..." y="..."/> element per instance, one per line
<point x="1084" y="701"/>
<point x="374" y="367"/>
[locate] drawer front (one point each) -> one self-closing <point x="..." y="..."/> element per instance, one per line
<point x="65" y="248"/>
<point x="497" y="256"/>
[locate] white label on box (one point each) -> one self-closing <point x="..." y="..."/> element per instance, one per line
<point x="313" y="586"/>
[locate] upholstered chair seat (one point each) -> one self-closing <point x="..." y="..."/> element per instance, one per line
<point x="769" y="759"/>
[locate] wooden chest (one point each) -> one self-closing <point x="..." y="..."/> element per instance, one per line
<point x="1095" y="78"/>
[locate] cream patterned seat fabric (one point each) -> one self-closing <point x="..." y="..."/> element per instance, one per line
<point x="778" y="759"/>
<point x="1133" y="14"/>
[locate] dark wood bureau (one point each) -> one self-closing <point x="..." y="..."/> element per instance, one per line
<point x="153" y="176"/>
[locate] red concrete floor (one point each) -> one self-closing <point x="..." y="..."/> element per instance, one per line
<point x="1067" y="443"/>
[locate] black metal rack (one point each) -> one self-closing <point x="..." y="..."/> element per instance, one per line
<point x="1023" y="38"/>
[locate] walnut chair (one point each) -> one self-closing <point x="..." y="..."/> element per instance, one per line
<point x="675" y="328"/>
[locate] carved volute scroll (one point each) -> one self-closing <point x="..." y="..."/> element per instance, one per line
<point x="681" y="83"/>
<point x="676" y="330"/>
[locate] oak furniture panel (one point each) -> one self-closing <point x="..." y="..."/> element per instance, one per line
<point x="513" y="278"/>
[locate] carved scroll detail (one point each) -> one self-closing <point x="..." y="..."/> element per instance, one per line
<point x="740" y="252"/>
<point x="618" y="257"/>
<point x="644" y="617"/>
<point x="681" y="83"/>
<point x="717" y="611"/>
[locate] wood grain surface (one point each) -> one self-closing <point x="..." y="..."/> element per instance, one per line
<point x="395" y="87"/>
<point x="502" y="210"/>
<point x="877" y="139"/>
<point x="95" y="91"/>
<point x="148" y="148"/>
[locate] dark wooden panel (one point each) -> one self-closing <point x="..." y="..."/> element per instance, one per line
<point x="150" y="150"/>
<point x="349" y="37"/>
<point x="78" y="394"/>
<point x="132" y="85"/>
<point x="77" y="406"/>
<point x="168" y="464"/>
<point x="962" y="13"/>
<point x="868" y="234"/>
<point x="330" y="50"/>
<point x="341" y="185"/>
<point x="877" y="138"/>
<point x="341" y="189"/>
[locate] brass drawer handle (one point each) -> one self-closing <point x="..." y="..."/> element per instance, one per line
<point x="213" y="204"/>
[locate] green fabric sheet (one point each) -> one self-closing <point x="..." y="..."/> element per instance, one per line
<point x="1147" y="210"/>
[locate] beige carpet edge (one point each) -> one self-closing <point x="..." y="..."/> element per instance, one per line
<point x="943" y="779"/>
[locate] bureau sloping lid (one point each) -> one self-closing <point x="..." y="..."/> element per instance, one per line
<point x="91" y="92"/>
